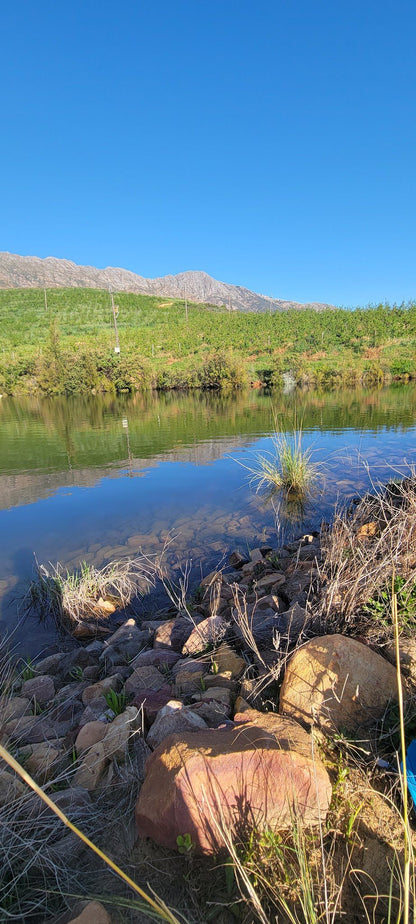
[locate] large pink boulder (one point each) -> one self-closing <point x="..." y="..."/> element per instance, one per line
<point x="338" y="683"/>
<point x="229" y="780"/>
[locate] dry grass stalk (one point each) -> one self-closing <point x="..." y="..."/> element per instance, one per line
<point x="363" y="549"/>
<point x="156" y="905"/>
<point x="88" y="594"/>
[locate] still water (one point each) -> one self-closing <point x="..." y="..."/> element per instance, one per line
<point x="100" y="478"/>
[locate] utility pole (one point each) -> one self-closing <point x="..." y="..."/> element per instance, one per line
<point x="46" y="300"/>
<point x="186" y="306"/>
<point x="115" y="313"/>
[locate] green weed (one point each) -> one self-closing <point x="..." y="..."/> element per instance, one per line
<point x="115" y="701"/>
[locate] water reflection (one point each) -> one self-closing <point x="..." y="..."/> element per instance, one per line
<point x="96" y="478"/>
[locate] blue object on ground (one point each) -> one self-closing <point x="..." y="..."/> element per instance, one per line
<point x="411" y="770"/>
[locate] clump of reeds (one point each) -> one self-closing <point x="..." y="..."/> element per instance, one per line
<point x="288" y="467"/>
<point x="88" y="594"/>
<point x="362" y="550"/>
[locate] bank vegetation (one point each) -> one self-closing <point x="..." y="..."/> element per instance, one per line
<point x="64" y="343"/>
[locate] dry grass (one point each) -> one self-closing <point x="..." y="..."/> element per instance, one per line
<point x="89" y="595"/>
<point x="362" y="551"/>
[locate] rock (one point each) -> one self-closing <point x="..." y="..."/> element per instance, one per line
<point x="226" y="659"/>
<point x="41" y="688"/>
<point x="212" y="712"/>
<point x="74" y="801"/>
<point x="293" y="620"/>
<point x="256" y="555"/>
<point x="217" y="694"/>
<point x="14" y="708"/>
<point x="212" y="578"/>
<point x="45" y="761"/>
<point x="208" y="632"/>
<point x="195" y="780"/>
<point x="75" y="662"/>
<point x="237" y="560"/>
<point x="11" y="787"/>
<point x="274" y="579"/>
<point x="93" y="913"/>
<point x="96" y="690"/>
<point x="367" y="531"/>
<point x="189" y="681"/>
<point x="339" y="683"/>
<point x="118" y="733"/>
<point x="162" y="658"/>
<point x="269" y="601"/>
<point x="173" y="633"/>
<point x="32" y="729"/>
<point x="125" y="643"/>
<point x="92" y="673"/>
<point x="173" y="718"/>
<point x="407" y="654"/>
<point x="51" y="664"/>
<point x="145" y="678"/>
<point x="241" y="705"/>
<point x="149" y="704"/>
<point x="223" y="679"/>
<point x="92" y="766"/>
<point x="288" y="732"/>
<point x="94" y="711"/>
<point x="90" y="733"/>
<point x="299" y="583"/>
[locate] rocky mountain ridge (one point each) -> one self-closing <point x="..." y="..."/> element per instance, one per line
<point x="34" y="272"/>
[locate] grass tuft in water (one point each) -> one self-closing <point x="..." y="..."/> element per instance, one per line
<point x="287" y="467"/>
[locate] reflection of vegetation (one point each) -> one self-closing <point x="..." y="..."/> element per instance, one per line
<point x="50" y="431"/>
<point x="162" y="348"/>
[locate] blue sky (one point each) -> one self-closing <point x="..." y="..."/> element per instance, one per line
<point x="271" y="143"/>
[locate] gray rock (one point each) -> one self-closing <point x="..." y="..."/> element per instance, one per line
<point x="174" y="718"/>
<point x="162" y="658"/>
<point x="145" y="678"/>
<point x="41" y="688"/>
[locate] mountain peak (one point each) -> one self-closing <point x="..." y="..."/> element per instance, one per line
<point x="53" y="272"/>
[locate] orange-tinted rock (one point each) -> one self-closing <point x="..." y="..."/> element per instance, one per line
<point x="93" y="913"/>
<point x="91" y="733"/>
<point x="208" y="632"/>
<point x="337" y="682"/>
<point x="172" y="633"/>
<point x="235" y="777"/>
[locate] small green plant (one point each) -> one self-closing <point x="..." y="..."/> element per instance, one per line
<point x="185" y="844"/>
<point x="76" y="673"/>
<point x="379" y="606"/>
<point x="28" y="671"/>
<point x="115" y="701"/>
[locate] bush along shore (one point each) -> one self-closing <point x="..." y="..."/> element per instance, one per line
<point x="67" y="347"/>
<point x="239" y="754"/>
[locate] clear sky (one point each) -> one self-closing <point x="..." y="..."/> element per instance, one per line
<point x="271" y="143"/>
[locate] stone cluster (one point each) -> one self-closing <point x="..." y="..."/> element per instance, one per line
<point x="189" y="693"/>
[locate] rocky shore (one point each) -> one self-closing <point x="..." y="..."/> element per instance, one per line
<point x="210" y="718"/>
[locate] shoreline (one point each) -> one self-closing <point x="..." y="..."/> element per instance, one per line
<point x="216" y="665"/>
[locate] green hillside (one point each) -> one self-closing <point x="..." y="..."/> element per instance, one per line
<point x="66" y="346"/>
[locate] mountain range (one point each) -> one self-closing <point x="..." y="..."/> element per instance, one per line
<point x="34" y="272"/>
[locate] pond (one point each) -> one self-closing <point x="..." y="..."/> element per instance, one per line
<point x="94" y="479"/>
